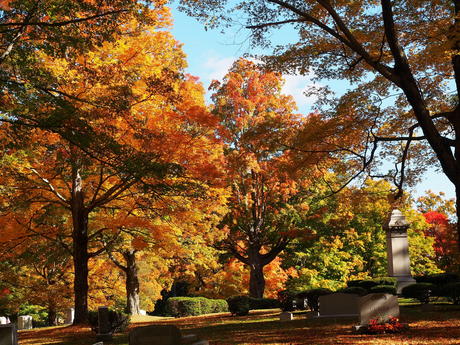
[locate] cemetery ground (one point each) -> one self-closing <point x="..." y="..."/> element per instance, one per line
<point x="440" y="326"/>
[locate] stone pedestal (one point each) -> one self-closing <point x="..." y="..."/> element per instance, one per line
<point x="398" y="250"/>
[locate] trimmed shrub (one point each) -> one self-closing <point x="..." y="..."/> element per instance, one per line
<point x="388" y="281"/>
<point x="438" y="279"/>
<point x="368" y="284"/>
<point x="451" y="291"/>
<point x="192" y="306"/>
<point x="419" y="291"/>
<point x="263" y="303"/>
<point x="383" y="289"/>
<point x="183" y="306"/>
<point x="118" y="321"/>
<point x="238" y="305"/>
<point x="313" y="297"/>
<point x="219" y="306"/>
<point x="354" y="283"/>
<point x="354" y="290"/>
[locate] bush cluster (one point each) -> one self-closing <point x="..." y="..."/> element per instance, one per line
<point x="241" y="305"/>
<point x="438" y="285"/>
<point x="192" y="306"/>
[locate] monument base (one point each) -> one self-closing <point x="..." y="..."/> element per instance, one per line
<point x="403" y="281"/>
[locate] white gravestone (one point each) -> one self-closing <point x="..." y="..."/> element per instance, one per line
<point x="69" y="316"/>
<point x="4" y="320"/>
<point x="380" y="306"/>
<point x="286" y="316"/>
<point x="339" y="305"/>
<point x="8" y="334"/>
<point x="25" y="322"/>
<point x="142" y="312"/>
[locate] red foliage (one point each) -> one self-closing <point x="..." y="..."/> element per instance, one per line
<point x="391" y="326"/>
<point x="436" y="218"/>
<point x="444" y="234"/>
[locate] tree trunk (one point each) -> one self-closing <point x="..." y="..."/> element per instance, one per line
<point x="132" y="283"/>
<point x="52" y="315"/>
<point x="256" y="277"/>
<point x="457" y="206"/>
<point x="80" y="250"/>
<point x="256" y="281"/>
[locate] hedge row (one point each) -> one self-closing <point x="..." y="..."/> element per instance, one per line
<point x="192" y="306"/>
<point x="240" y="305"/>
<point x="437" y="285"/>
<point x="370" y="283"/>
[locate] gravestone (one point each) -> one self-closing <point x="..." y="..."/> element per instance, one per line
<point x="104" y="327"/>
<point x="339" y="305"/>
<point x="69" y="316"/>
<point x="25" y="322"/>
<point x="380" y="306"/>
<point x="4" y="320"/>
<point x="8" y="334"/>
<point x="286" y="316"/>
<point x="162" y="335"/>
<point x="398" y="249"/>
<point x="142" y="312"/>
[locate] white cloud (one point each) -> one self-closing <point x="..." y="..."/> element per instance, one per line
<point x="215" y="68"/>
<point x="296" y="85"/>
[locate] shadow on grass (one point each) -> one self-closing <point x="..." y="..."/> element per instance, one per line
<point x="440" y="326"/>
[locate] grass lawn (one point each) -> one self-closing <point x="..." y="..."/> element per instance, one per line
<point x="438" y="327"/>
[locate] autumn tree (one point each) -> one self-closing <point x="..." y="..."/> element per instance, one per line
<point x="178" y="228"/>
<point x="438" y="213"/>
<point x="401" y="60"/>
<point x="132" y="91"/>
<point x="61" y="29"/>
<point x="267" y="184"/>
<point x="350" y="242"/>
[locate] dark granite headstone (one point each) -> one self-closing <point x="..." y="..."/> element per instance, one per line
<point x="8" y="334"/>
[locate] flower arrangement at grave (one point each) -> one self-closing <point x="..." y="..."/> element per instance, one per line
<point x="377" y="326"/>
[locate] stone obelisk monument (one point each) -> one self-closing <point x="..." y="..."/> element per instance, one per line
<point x="398" y="249"/>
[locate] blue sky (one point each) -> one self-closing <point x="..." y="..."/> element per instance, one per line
<point x="210" y="53"/>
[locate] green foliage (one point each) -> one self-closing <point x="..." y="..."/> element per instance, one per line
<point x="239" y="305"/>
<point x="383" y="289"/>
<point x="39" y="314"/>
<point x="419" y="291"/>
<point x="391" y="281"/>
<point x="354" y="290"/>
<point x="380" y="284"/>
<point x="192" y="306"/>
